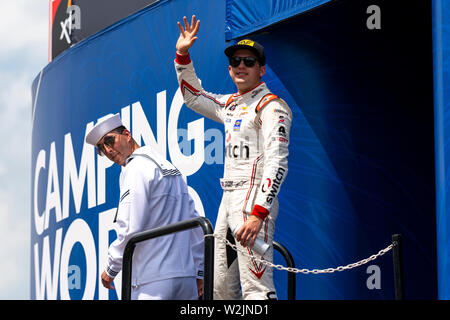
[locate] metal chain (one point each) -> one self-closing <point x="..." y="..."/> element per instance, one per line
<point x="304" y="271"/>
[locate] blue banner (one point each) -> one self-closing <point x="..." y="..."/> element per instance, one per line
<point x="361" y="163"/>
<point x="247" y="16"/>
<point x="441" y="54"/>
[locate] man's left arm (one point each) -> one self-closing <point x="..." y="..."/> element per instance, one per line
<point x="275" y="119"/>
<point x="130" y="220"/>
<point x="117" y="247"/>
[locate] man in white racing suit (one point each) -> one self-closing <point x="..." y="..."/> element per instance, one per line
<point x="152" y="194"/>
<point x="257" y="125"/>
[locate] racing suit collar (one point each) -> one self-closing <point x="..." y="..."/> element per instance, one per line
<point x="261" y="85"/>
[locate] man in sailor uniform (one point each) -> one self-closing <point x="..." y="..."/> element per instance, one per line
<point x="153" y="193"/>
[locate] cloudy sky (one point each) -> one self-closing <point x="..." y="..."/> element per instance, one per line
<point x="23" y="54"/>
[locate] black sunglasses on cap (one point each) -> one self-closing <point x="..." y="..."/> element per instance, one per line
<point x="248" y="61"/>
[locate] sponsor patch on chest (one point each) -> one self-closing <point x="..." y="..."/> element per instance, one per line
<point x="237" y="125"/>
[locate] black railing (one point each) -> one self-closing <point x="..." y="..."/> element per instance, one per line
<point x="290" y="263"/>
<point x="207" y="228"/>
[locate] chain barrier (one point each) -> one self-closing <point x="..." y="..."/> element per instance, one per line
<point x="304" y="271"/>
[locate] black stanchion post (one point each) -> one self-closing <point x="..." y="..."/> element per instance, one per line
<point x="126" y="271"/>
<point x="290" y="263"/>
<point x="208" y="277"/>
<point x="398" y="266"/>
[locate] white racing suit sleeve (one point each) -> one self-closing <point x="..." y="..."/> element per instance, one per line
<point x="275" y="119"/>
<point x="207" y="104"/>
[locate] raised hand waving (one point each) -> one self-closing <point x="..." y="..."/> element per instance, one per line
<point x="188" y="35"/>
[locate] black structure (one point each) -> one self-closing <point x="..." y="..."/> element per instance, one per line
<point x="398" y="266"/>
<point x="290" y="263"/>
<point x="207" y="228"/>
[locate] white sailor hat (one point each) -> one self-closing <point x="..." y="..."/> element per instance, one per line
<point x="103" y="126"/>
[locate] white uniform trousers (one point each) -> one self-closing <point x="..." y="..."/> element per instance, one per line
<point x="182" y="288"/>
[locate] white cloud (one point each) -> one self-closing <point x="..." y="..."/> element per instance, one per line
<point x="15" y="96"/>
<point x="14" y="255"/>
<point x="23" y="53"/>
<point x="24" y="24"/>
<point x="2" y="170"/>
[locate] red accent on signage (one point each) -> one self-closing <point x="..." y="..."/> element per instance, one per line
<point x="53" y="6"/>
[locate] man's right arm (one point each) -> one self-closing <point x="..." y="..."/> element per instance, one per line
<point x="207" y="104"/>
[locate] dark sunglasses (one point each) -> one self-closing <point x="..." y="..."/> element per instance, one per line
<point x="248" y="61"/>
<point x="109" y="141"/>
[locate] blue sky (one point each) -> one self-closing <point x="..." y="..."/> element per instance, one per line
<point x="23" y="53"/>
